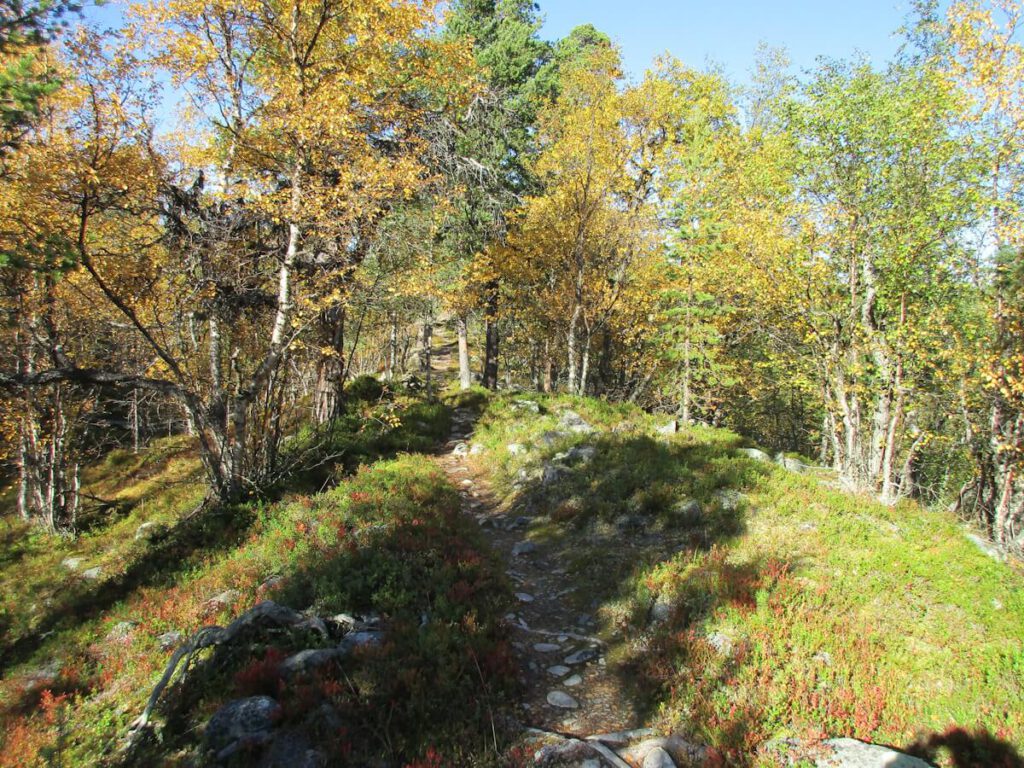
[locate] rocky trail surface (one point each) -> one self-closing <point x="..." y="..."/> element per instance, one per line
<point x="578" y="707"/>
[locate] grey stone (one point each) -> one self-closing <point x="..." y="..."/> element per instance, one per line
<point x="460" y="449"/>
<point x="582" y="453"/>
<point x="661" y="610"/>
<point x="476" y="449"/>
<point x="355" y="640"/>
<point x="149" y="530"/>
<point x="546" y="647"/>
<point x="574" y="422"/>
<point x="552" y="474"/>
<point x="43" y="677"/>
<point x="669" y="429"/>
<point x="658" y="758"/>
<point x="987" y="547"/>
<point x="721" y="643"/>
<point x="727" y="499"/>
<point x="755" y="454"/>
<point x="241" y="720"/>
<point x="550" y="437"/>
<point x="169" y="640"/>
<point x="687" y="511"/>
<point x="524" y="548"/>
<point x="121" y="630"/>
<point x="793" y="465"/>
<point x="93" y="573"/>
<point x="565" y="751"/>
<point x="562" y="700"/>
<point x="309" y="660"/>
<point x="515" y="449"/>
<point x="525" y="405"/>
<point x="572" y="682"/>
<point x="558" y="671"/>
<point x="225" y="599"/>
<point x="71" y="563"/>
<point x="523" y="597"/>
<point x="850" y="753"/>
<point x="581" y="657"/>
<point x="591" y="763"/>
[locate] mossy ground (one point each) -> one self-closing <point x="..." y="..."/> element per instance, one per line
<point x="793" y="609"/>
<point x="387" y="537"/>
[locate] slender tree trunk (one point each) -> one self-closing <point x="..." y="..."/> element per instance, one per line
<point x="427" y="358"/>
<point x="571" y="351"/>
<point x="584" y="366"/>
<point x="329" y="392"/>
<point x="465" y="374"/>
<point x="492" y="339"/>
<point x="548" y="383"/>
<point x="392" y="348"/>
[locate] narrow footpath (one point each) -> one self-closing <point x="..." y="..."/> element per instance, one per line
<point x="569" y="688"/>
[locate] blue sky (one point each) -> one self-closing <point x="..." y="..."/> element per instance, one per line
<point x="699" y="33"/>
<point x="728" y="33"/>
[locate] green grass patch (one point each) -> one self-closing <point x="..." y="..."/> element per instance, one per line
<point x="784" y="608"/>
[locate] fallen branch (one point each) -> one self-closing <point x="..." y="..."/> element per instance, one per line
<point x="267" y="612"/>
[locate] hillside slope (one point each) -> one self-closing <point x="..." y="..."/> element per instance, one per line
<point x="744" y="603"/>
<point x="700" y="589"/>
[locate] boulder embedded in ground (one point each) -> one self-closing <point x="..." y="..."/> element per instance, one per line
<point x="669" y="429"/>
<point x="150" y="530"/>
<point x="523" y="548"/>
<point x="552" y="474"/>
<point x="661" y="610"/>
<point x="755" y="454"/>
<point x="582" y="453"/>
<point x="525" y="405"/>
<point x="658" y="758"/>
<point x="93" y="574"/>
<point x="581" y="657"/>
<point x="71" y="563"/>
<point x="121" y="630"/>
<point x="572" y="682"/>
<point x="562" y="752"/>
<point x="558" y="671"/>
<point x="460" y="449"/>
<point x="546" y="647"/>
<point x="687" y="511"/>
<point x="987" y="547"/>
<point x="476" y="449"/>
<point x="791" y="464"/>
<point x="225" y="599"/>
<point x="515" y="449"/>
<point x="574" y="422"/>
<point x="562" y="700"/>
<point x="249" y="721"/>
<point x="549" y="438"/>
<point x="309" y="660"/>
<point x="850" y="753"/>
<point x="169" y="640"/>
<point x="727" y="499"/>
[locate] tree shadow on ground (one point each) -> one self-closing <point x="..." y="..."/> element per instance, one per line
<point x="217" y="528"/>
<point x="966" y="749"/>
<point x="616" y="507"/>
<point x="389" y="551"/>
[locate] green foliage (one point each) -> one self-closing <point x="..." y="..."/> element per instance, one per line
<point x="792" y="609"/>
<point x="365" y="388"/>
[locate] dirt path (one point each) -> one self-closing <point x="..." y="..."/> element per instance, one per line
<point x="569" y="689"/>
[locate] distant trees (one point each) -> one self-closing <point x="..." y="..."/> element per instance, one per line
<point x="829" y="266"/>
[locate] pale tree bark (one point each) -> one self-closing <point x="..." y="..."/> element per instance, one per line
<point x="465" y="374"/>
